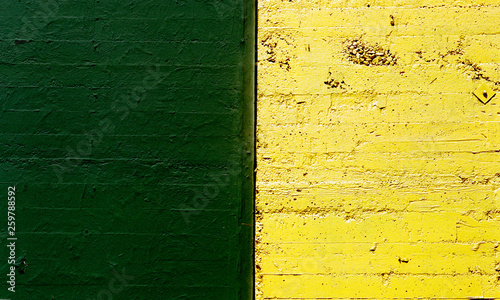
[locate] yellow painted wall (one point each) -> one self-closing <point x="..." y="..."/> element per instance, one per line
<point x="378" y="181"/>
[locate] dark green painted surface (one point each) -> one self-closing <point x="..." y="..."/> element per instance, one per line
<point x="127" y="128"/>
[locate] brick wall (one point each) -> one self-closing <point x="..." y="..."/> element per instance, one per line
<point x="127" y="128"/>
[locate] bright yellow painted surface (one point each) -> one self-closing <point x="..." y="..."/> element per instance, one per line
<point x="378" y="181"/>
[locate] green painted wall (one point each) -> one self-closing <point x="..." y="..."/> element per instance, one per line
<point x="127" y="128"/>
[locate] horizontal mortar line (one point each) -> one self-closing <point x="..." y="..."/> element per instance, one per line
<point x="384" y="243"/>
<point x="394" y="37"/>
<point x="156" y="110"/>
<point x="340" y="121"/>
<point x="362" y="181"/>
<point x="160" y="41"/>
<point x="264" y="156"/>
<point x="167" y="163"/>
<point x="351" y="191"/>
<point x="297" y="131"/>
<point x="112" y="233"/>
<point x="284" y="192"/>
<point x="369" y="175"/>
<point x="198" y="210"/>
<point x="355" y="67"/>
<point x="157" y="259"/>
<point x="404" y="141"/>
<point x="396" y="153"/>
<point x="279" y="257"/>
<point x="357" y="187"/>
<point x="369" y="172"/>
<point x="379" y="274"/>
<point x="107" y="209"/>
<point x="381" y="123"/>
<point x="472" y="244"/>
<point x="120" y="88"/>
<point x="412" y="26"/>
<point x="269" y="152"/>
<point x="314" y="211"/>
<point x="334" y="195"/>
<point x="372" y="298"/>
<point x="127" y="86"/>
<point x="383" y="35"/>
<point x="330" y="199"/>
<point x="108" y="18"/>
<point x="325" y="212"/>
<point x="134" y="159"/>
<point x="128" y="285"/>
<point x="128" y="184"/>
<point x="183" y="136"/>
<point x="395" y="92"/>
<point x="308" y="7"/>
<point x="365" y="193"/>
<point x="327" y="192"/>
<point x="264" y="29"/>
<point x="360" y="174"/>
<point x="94" y="65"/>
<point x="306" y="22"/>
<point x="420" y="242"/>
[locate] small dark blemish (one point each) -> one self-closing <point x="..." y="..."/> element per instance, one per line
<point x="332" y="83"/>
<point x="20" y="42"/>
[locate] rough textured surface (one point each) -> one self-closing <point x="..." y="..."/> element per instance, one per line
<point x="377" y="180"/>
<point x="127" y="127"/>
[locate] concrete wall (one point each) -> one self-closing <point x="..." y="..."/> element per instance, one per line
<point x="378" y="169"/>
